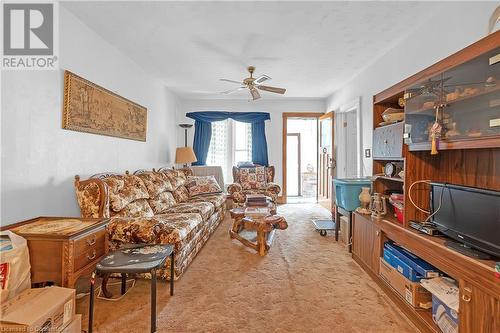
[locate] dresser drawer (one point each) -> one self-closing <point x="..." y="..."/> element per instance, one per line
<point x="85" y="243"/>
<point x="92" y="254"/>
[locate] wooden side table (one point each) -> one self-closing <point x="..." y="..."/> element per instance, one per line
<point x="63" y="248"/>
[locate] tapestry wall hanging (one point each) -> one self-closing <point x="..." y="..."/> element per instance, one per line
<point x="94" y="109"/>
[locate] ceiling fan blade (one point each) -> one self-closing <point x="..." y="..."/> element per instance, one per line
<point x="261" y="79"/>
<point x="255" y="94"/>
<point x="232" y="81"/>
<point x="272" y="89"/>
<point x="227" y="92"/>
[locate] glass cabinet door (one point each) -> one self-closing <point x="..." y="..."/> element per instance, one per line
<point x="469" y="96"/>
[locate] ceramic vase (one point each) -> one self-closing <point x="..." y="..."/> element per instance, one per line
<point x="364" y="199"/>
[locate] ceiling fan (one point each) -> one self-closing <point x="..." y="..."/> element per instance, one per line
<point x="253" y="85"/>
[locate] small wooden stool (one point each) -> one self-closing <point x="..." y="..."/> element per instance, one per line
<point x="137" y="258"/>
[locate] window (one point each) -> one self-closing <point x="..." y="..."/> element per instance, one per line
<point x="217" y="152"/>
<point x="242" y="141"/>
<point x="231" y="143"/>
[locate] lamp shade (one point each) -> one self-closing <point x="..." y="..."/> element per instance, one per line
<point x="184" y="155"/>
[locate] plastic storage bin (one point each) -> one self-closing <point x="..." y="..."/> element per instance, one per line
<point x="347" y="191"/>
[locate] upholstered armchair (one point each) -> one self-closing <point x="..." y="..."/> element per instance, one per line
<point x="253" y="180"/>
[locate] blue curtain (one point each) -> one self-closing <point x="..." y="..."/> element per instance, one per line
<point x="201" y="143"/>
<point x="259" y="143"/>
<point x="203" y="132"/>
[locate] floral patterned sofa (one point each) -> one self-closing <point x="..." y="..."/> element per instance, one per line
<point x="253" y="180"/>
<point x="154" y="207"/>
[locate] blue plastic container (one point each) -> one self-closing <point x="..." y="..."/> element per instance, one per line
<point x="347" y="191"/>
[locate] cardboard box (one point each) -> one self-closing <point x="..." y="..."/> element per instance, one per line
<point x="75" y="326"/>
<point x="421" y="266"/>
<point x="412" y="292"/>
<point x="40" y="309"/>
<point x="404" y="269"/>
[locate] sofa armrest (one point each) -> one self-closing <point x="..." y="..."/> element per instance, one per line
<point x="93" y="198"/>
<point x="273" y="188"/>
<point x="233" y="188"/>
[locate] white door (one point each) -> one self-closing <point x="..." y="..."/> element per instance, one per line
<point x="347" y="144"/>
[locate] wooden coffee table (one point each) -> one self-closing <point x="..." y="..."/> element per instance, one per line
<point x="255" y="226"/>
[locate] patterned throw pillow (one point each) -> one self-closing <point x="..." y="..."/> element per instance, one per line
<point x="123" y="189"/>
<point x="162" y="202"/>
<point x="181" y="194"/>
<point x="202" y="185"/>
<point x="253" y="178"/>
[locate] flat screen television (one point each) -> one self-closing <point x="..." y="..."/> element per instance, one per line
<point x="469" y="215"/>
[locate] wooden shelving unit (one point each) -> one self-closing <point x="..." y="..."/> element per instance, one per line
<point x="470" y="162"/>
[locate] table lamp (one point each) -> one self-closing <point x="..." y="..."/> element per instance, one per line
<point x="185" y="155"/>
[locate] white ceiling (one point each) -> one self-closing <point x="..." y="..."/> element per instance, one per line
<point x="310" y="48"/>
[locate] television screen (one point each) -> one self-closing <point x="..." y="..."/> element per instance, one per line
<point x="469" y="215"/>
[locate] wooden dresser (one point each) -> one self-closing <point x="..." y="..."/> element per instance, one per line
<point x="63" y="248"/>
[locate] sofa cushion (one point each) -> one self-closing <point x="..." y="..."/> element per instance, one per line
<point x="217" y="200"/>
<point x="253" y="178"/>
<point x="205" y="209"/>
<point x="123" y="189"/>
<point x="160" y="229"/>
<point x="198" y="185"/>
<point x="137" y="208"/>
<point x="177" y="177"/>
<point x="155" y="182"/>
<point x="181" y="194"/>
<point x="162" y="202"/>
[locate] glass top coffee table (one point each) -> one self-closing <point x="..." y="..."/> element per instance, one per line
<point x="254" y="226"/>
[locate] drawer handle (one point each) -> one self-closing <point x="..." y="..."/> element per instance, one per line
<point x="92" y="241"/>
<point x="466" y="298"/>
<point x="92" y="257"/>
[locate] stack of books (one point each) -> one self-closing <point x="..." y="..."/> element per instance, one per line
<point x="254" y="200"/>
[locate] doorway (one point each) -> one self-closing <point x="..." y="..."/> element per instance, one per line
<point x="300" y="157"/>
<point x="293" y="165"/>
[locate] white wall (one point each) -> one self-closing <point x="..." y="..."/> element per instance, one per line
<point x="451" y="29"/>
<point x="40" y="159"/>
<point x="275" y="107"/>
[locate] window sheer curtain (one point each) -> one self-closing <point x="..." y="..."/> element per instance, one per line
<point x="203" y="132"/>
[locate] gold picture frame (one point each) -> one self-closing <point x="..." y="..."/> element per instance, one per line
<point x="91" y="108"/>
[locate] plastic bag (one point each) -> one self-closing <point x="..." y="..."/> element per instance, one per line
<point x="14" y="265"/>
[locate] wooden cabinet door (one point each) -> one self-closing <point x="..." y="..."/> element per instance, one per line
<point x="366" y="242"/>
<point x="479" y="311"/>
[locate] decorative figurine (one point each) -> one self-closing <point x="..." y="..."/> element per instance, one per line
<point x="435" y="132"/>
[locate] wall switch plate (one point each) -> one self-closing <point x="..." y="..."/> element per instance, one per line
<point x="495" y="122"/>
<point x="368" y="153"/>
<point x="494" y="59"/>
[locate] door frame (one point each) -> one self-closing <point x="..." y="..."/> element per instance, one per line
<point x="328" y="115"/>
<point x="355" y="104"/>
<point x="286" y="115"/>
<point x="299" y="187"/>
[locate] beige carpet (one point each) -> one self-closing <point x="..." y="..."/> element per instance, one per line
<point x="307" y="283"/>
